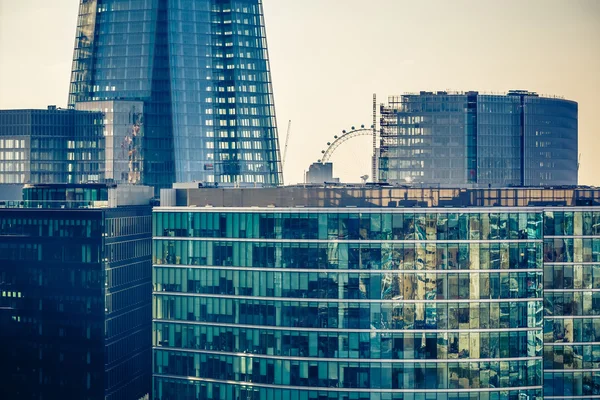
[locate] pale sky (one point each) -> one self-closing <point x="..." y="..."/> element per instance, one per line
<point x="329" y="56"/>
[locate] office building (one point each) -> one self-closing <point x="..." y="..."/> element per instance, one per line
<point x="354" y="292"/>
<point x="479" y="140"/>
<point x="51" y="146"/>
<point x="75" y="293"/>
<point x="201" y="72"/>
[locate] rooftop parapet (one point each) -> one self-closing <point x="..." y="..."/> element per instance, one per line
<point x="512" y="92"/>
<point x="81" y="196"/>
<point x="381" y="196"/>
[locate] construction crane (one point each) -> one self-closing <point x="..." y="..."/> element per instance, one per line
<point x="285" y="147"/>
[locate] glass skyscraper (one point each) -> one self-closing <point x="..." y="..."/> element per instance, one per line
<point x="477" y="140"/>
<point x="376" y="293"/>
<point x="201" y="70"/>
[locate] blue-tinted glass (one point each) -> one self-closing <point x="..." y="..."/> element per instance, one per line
<point x="201" y="70"/>
<point x="480" y="139"/>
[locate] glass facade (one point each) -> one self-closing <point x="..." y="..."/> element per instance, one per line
<point x="423" y="138"/>
<point x="458" y="139"/>
<point x="201" y="70"/>
<point x="572" y="303"/>
<point x="64" y="196"/>
<point x="499" y="141"/>
<point x="123" y="136"/>
<point x="338" y="303"/>
<point x="51" y="146"/>
<point x="550" y="141"/>
<point x="75" y="299"/>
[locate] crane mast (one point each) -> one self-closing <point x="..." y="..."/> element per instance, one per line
<point x="285" y="147"/>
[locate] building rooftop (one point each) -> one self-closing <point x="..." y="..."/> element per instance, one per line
<point x="51" y="109"/>
<point x="81" y="196"/>
<point x="372" y="195"/>
<point x="512" y="92"/>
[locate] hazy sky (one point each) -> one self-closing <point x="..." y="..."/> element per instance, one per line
<point x="329" y="56"/>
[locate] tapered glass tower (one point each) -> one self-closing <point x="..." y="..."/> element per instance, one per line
<point x="201" y="69"/>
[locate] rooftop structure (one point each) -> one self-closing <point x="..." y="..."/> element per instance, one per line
<point x="374" y="195"/>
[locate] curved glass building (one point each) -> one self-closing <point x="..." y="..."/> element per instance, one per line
<point x="406" y="294"/>
<point x="479" y="140"/>
<point x="200" y="69"/>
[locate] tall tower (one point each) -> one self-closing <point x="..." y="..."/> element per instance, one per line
<point x="201" y="70"/>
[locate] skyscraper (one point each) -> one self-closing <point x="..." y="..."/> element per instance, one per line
<point x="475" y="139"/>
<point x="201" y="69"/>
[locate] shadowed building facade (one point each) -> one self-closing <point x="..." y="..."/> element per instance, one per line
<point x="200" y="69"/>
<point x="75" y="293"/>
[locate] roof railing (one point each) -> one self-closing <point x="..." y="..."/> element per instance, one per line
<point x="53" y="204"/>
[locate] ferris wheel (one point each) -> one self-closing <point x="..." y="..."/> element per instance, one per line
<point x="355" y="132"/>
<point x="346" y="135"/>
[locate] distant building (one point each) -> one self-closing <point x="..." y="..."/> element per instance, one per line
<point x="99" y="142"/>
<point x="51" y="146"/>
<point x="479" y="140"/>
<point x="358" y="292"/>
<point x="320" y="173"/>
<point x="75" y="293"/>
